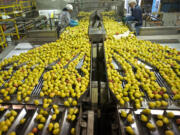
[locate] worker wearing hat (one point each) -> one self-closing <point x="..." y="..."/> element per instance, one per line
<point x="65" y="18"/>
<point x="136" y="15"/>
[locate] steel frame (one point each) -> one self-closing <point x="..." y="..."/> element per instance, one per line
<point x="2" y="38"/>
<point x="17" y="5"/>
<point x="16" y="33"/>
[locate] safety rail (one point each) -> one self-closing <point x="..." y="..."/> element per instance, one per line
<point x="16" y="8"/>
<point x="25" y="5"/>
<point x="12" y="31"/>
<point x="3" y="43"/>
<point x="11" y="10"/>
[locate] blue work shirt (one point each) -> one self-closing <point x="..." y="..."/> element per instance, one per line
<point x="137" y="14"/>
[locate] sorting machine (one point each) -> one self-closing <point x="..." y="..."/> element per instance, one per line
<point x="99" y="110"/>
<point x="17" y="27"/>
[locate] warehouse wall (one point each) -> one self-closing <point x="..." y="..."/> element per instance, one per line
<point x="46" y="7"/>
<point x="59" y="4"/>
<point x="50" y="4"/>
<point x="171" y="19"/>
<point x="89" y="5"/>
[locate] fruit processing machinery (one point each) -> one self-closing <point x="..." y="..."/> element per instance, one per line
<point x="99" y="109"/>
<point x="96" y="28"/>
<point x="107" y="110"/>
<point x="19" y="26"/>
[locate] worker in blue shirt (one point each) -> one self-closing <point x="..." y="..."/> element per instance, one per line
<point x="136" y="15"/>
<point x="65" y="19"/>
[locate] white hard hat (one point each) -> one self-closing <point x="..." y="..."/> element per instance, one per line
<point x="69" y="7"/>
<point x="132" y="1"/>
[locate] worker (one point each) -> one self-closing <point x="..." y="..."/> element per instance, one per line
<point x="65" y="19"/>
<point x="136" y="15"/>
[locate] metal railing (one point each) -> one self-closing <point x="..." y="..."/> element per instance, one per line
<point x="2" y="38"/>
<point x="13" y="31"/>
<point x="16" y="8"/>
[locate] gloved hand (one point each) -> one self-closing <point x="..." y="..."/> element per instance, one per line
<point x="73" y="23"/>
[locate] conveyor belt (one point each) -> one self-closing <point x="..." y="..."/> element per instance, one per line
<point x="140" y="128"/>
<point x="29" y="113"/>
<point x="71" y="60"/>
<point x="103" y="110"/>
<point x="159" y="79"/>
<point x="7" y="80"/>
<point x="38" y="87"/>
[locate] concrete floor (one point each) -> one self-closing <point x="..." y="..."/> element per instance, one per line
<point x="16" y="50"/>
<point x="173" y="41"/>
<point x="173" y="45"/>
<point x="6" y="51"/>
<point x="162" y="37"/>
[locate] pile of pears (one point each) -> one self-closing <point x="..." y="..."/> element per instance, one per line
<point x="56" y="64"/>
<point x="135" y="81"/>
